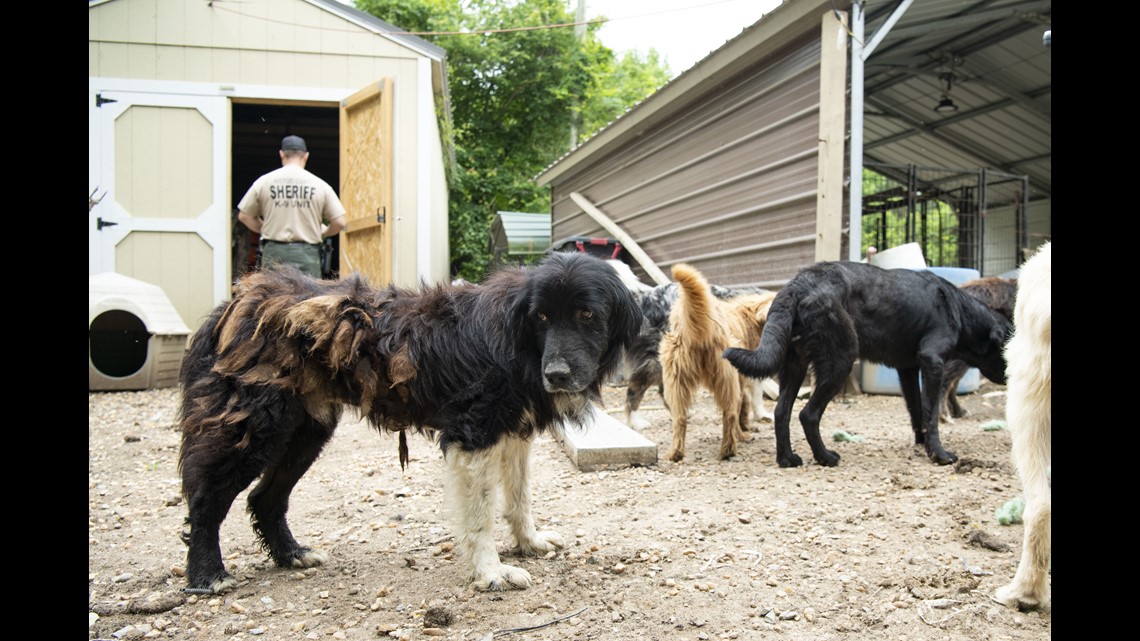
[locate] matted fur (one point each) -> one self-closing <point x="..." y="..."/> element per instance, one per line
<point x="701" y="327"/>
<point x="998" y="294"/>
<point x="1029" y="418"/>
<point x="831" y="313"/>
<point x="479" y="368"/>
<point x="642" y="361"/>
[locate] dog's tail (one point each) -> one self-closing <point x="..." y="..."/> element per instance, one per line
<point x="766" y="360"/>
<point x="695" y="299"/>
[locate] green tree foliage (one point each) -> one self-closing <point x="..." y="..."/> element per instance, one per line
<point x="624" y="83"/>
<point x="513" y="94"/>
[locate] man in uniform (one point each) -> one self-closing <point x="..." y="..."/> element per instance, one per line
<point x="293" y="210"/>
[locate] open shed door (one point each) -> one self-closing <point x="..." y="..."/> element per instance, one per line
<point x="366" y="182"/>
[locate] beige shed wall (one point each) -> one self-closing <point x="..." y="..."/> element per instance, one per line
<point x="163" y="258"/>
<point x="268" y="50"/>
<point x="268" y="42"/>
<point x="440" y="262"/>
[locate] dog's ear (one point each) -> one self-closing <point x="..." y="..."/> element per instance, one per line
<point x="624" y="322"/>
<point x="520" y="290"/>
<point x="1002" y="331"/>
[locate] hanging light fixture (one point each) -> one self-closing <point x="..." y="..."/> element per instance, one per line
<point x="946" y="105"/>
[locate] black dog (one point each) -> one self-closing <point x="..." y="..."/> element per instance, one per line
<point x="480" y="368"/>
<point x="831" y="313"/>
<point x="998" y="294"/>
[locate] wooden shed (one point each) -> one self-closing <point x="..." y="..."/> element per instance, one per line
<point x="750" y="164"/>
<point x="189" y="101"/>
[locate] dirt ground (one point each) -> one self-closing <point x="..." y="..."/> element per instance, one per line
<point x="887" y="545"/>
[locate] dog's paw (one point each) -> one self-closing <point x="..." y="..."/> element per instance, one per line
<point x="543" y="542"/>
<point x="307" y="558"/>
<point x="767" y="417"/>
<point x="1013" y="596"/>
<point x="637" y="421"/>
<point x="501" y="577"/>
<point x="675" y="455"/>
<point x="220" y="585"/>
<point x="828" y="458"/>
<point x="792" y="460"/>
<point x="943" y="457"/>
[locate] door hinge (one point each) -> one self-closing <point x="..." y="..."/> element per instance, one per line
<point x="100" y="223"/>
<point x="100" y="100"/>
<point x="380" y="214"/>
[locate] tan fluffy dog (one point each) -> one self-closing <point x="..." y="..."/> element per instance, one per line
<point x="702" y="326"/>
<point x="1029" y="416"/>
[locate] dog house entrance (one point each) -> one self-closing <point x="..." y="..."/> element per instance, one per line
<point x="118" y="341"/>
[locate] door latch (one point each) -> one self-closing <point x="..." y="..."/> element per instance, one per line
<point x="380" y="214"/>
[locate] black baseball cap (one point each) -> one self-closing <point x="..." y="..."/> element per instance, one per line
<point x="293" y="143"/>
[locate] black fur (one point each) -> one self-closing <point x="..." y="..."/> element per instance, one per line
<point x="267" y="375"/>
<point x="996" y="293"/>
<point x="831" y="313"/>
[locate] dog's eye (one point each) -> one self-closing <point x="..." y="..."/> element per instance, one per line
<point x="585" y="314"/>
<point x="541" y="317"/>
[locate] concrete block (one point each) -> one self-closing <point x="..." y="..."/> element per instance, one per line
<point x="605" y="443"/>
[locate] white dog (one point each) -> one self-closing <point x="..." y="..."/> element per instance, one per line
<point x="1029" y="418"/>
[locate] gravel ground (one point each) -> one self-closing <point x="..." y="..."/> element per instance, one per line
<point x="886" y="545"/>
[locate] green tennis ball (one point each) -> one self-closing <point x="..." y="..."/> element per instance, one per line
<point x="993" y="426"/>
<point x="840" y="435"/>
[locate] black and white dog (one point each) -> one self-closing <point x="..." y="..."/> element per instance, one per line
<point x="641" y="365"/>
<point x="481" y="369"/>
<point x="832" y="313"/>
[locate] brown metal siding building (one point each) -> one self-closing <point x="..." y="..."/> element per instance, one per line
<point x="742" y="164"/>
<point x="727" y="176"/>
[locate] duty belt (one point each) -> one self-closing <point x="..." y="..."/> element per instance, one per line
<point x="265" y="241"/>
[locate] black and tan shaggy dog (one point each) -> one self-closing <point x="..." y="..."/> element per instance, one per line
<point x="481" y="369"/>
<point x="998" y="294"/>
<point x="642" y="361"/>
<point x="832" y="313"/>
<point x="1029" y="418"/>
<point x="701" y="327"/>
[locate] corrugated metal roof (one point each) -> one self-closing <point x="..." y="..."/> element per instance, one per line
<point x="380" y="27"/>
<point x="518" y="233"/>
<point x="990" y="60"/>
<point x="992" y="52"/>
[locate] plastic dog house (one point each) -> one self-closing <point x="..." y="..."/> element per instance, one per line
<point x="136" y="338"/>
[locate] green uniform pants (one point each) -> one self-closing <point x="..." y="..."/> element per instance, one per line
<point x="305" y="257"/>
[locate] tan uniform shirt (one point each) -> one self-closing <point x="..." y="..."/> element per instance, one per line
<point x="292" y="204"/>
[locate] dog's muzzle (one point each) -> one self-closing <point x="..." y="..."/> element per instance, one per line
<point x="557" y="376"/>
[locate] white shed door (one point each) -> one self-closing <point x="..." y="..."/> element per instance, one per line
<point x="158" y="172"/>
